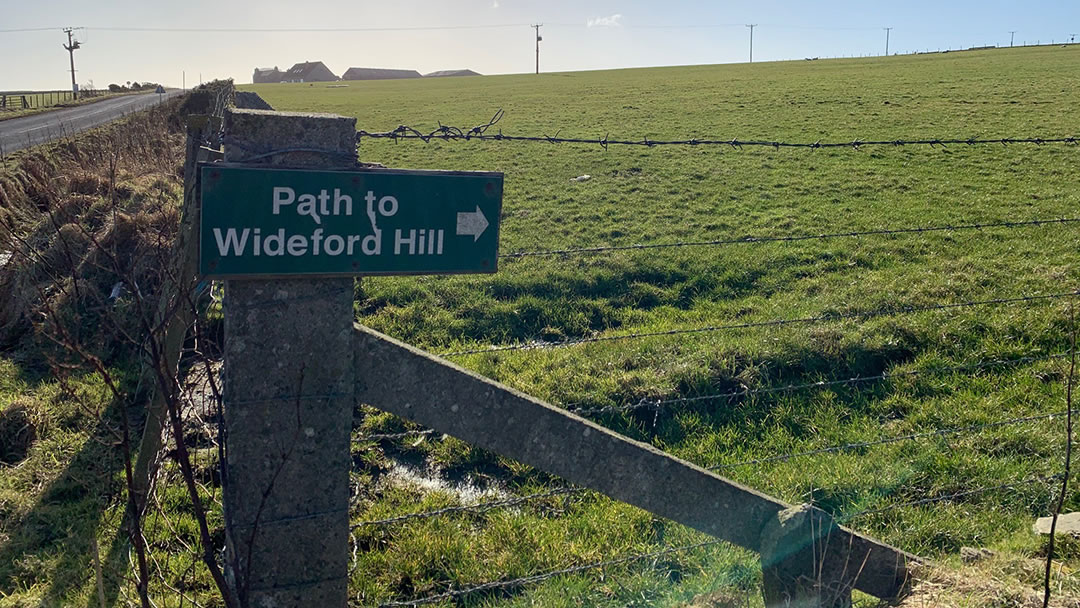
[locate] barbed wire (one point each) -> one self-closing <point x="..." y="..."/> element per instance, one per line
<point x="837" y="316"/>
<point x="821" y="384"/>
<point x="953" y="496"/>
<point x="789" y="238"/>
<point x="479" y="133"/>
<point x="858" y="445"/>
<point x="536" y="578"/>
<point x="475" y="508"/>
<point x="844" y="447"/>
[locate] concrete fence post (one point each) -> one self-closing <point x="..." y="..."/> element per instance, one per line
<point x="288" y="381"/>
<point x="796" y="568"/>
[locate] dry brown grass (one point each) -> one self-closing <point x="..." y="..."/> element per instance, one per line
<point x="102" y="206"/>
<point x="997" y="580"/>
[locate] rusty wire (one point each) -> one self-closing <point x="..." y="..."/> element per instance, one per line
<point x="480" y="133"/>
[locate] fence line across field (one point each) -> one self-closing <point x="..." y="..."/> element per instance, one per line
<point x="479" y="133"/>
<point x="1044" y="479"/>
<point x="789" y="238"/>
<point x="969" y="429"/>
<point x="658" y="404"/>
<point x="483" y="507"/>
<point x="838" y="316"/>
<point x="536" y="578"/>
<point x="455" y="594"/>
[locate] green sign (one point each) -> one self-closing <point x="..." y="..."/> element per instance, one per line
<point x="286" y="222"/>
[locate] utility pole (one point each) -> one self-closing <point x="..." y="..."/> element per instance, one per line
<point x="1012" y="36"/>
<point x="537" y="27"/>
<point x="888" y="30"/>
<point x="71" y="47"/>
<point x="751" y="26"/>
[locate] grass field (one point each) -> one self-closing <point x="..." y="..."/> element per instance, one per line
<point x="665" y="195"/>
<point x="977" y="485"/>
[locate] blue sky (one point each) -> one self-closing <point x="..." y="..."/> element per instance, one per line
<point x="578" y="35"/>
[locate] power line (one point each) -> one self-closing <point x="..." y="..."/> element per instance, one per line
<point x="237" y="30"/>
<point x="71" y="47"/>
<point x="751" y="26"/>
<point x="839" y="316"/>
<point x="539" y="38"/>
<point x="32" y="29"/>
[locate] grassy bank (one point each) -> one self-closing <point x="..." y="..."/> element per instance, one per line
<point x="65" y="209"/>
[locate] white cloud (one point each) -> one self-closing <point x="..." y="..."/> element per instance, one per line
<point x="612" y="21"/>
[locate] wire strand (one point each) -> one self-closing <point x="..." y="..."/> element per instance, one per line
<point x="479" y="133"/>
<point x="536" y="578"/>
<point x="790" y="238"/>
<point x="839" y="316"/>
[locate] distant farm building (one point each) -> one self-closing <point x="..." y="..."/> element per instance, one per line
<point x="448" y="73"/>
<point x="378" y="74"/>
<point x="267" y="75"/>
<point x="309" y="71"/>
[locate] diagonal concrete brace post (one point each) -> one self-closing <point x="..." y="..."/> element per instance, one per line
<point x="288" y="383"/>
<point x="406" y="381"/>
<point x="796" y="565"/>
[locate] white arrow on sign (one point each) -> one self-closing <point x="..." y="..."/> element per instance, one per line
<point x="472" y="223"/>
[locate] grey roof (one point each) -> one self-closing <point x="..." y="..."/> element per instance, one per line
<point x="377" y="74"/>
<point x="445" y="73"/>
<point x="303" y="70"/>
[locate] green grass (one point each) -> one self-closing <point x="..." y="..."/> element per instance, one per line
<point x="51" y="504"/>
<point x="664" y="195"/>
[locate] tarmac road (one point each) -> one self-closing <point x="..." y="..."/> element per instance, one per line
<point x="36" y="129"/>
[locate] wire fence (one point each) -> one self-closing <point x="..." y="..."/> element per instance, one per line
<point x="863" y="315"/>
<point x="853" y="446"/>
<point x="480" y="133"/>
<point x="787" y="238"/>
<point x="513" y="583"/>
<point x="875" y="506"/>
<point x="203" y="406"/>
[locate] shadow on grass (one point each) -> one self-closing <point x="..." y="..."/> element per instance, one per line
<point x="52" y="542"/>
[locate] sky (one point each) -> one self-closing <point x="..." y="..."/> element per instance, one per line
<point x="577" y="34"/>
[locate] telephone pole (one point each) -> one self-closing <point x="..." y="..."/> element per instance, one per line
<point x="751" y="26"/>
<point x="1012" y="36"/>
<point x="71" y="47"/>
<point x="537" y="27"/>
<point x="888" y="30"/>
